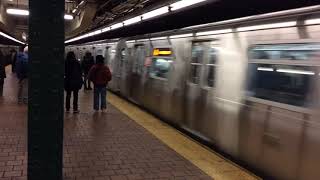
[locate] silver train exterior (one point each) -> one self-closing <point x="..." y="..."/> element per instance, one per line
<point x="253" y="92"/>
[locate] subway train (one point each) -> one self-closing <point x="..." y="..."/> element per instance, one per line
<point x="248" y="86"/>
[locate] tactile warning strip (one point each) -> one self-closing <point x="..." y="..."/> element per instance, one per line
<point x="205" y="159"/>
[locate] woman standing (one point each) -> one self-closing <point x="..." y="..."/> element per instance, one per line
<point x="73" y="81"/>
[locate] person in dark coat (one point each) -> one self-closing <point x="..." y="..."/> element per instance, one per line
<point x="13" y="60"/>
<point x="2" y="73"/>
<point x="73" y="80"/>
<point x="87" y="63"/>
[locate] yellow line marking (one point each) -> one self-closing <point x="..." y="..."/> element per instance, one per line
<point x="205" y="159"/>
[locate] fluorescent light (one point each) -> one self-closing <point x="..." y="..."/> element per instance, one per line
<point x="20" y="12"/>
<point x="312" y="21"/>
<point x="223" y="31"/>
<point x="68" y="17"/>
<point x="116" y="26"/>
<point x="142" y="40"/>
<point x="9" y="37"/>
<point x="265" y="69"/>
<point x="81" y="3"/>
<point x="184" y="3"/>
<point x="105" y="29"/>
<point x="74" y="10"/>
<point x="97" y="32"/>
<point x="158" y="38"/>
<point x="155" y="13"/>
<point x="181" y="36"/>
<point x="294" y="71"/>
<point x="268" y="26"/>
<point x="132" y="20"/>
<point x="132" y="41"/>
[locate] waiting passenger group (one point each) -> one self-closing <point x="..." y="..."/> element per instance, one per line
<point x="95" y="72"/>
<point x="77" y="74"/>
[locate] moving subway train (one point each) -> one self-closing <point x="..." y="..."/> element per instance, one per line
<point x="249" y="86"/>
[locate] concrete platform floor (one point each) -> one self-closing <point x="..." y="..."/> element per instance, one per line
<point x="122" y="143"/>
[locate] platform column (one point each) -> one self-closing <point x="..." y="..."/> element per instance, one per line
<point x="46" y="71"/>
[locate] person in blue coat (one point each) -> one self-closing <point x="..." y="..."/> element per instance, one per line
<point x="22" y="74"/>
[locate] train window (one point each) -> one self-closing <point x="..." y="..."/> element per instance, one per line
<point x="297" y="51"/>
<point x="196" y="62"/>
<point x="161" y="67"/>
<point x="288" y="84"/>
<point x="139" y="59"/>
<point x="211" y="67"/>
<point x="204" y="54"/>
<point x="122" y="57"/>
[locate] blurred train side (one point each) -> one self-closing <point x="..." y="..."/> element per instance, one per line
<point x="278" y="139"/>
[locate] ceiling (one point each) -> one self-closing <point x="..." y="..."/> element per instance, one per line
<point x="93" y="14"/>
<point x="90" y="14"/>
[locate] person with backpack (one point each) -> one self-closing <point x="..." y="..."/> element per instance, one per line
<point x="73" y="81"/>
<point x="22" y="74"/>
<point x="86" y="64"/>
<point x="2" y="73"/>
<point x="100" y="75"/>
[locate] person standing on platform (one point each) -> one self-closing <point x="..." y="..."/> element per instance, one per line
<point x="22" y="74"/>
<point x="100" y="75"/>
<point x="13" y="60"/>
<point x="2" y="73"/>
<point x="73" y="81"/>
<point x="87" y="64"/>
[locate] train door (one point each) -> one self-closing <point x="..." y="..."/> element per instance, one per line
<point x="123" y="72"/>
<point x="161" y="67"/>
<point x="107" y="57"/>
<point x="112" y="62"/>
<point x="200" y="88"/>
<point x="138" y="57"/>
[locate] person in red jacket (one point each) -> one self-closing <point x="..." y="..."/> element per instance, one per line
<point x="100" y="75"/>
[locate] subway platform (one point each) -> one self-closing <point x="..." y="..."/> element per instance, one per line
<point x="121" y="144"/>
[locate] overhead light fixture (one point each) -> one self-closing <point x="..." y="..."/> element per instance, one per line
<point x="105" y="29"/>
<point x="11" y="38"/>
<point x="23" y="12"/>
<point x="312" y="21"/>
<point x="97" y="32"/>
<point x="116" y="26"/>
<point x="80" y="4"/>
<point x="155" y="13"/>
<point x="68" y="17"/>
<point x="132" y="41"/>
<point x="294" y="71"/>
<point x="184" y="3"/>
<point x="158" y="38"/>
<point x="19" y="12"/>
<point x="181" y="36"/>
<point x="265" y="69"/>
<point x="268" y="26"/>
<point x="142" y="40"/>
<point x="74" y="10"/>
<point x="223" y="31"/>
<point x="132" y="20"/>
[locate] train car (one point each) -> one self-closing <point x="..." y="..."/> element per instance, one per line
<point x="248" y="86"/>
